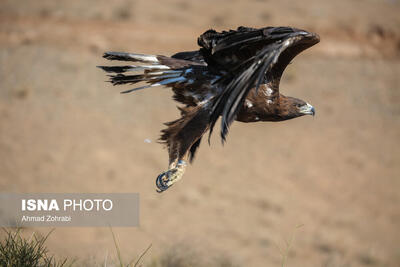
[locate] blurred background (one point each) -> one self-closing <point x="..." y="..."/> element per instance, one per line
<point x="63" y="129"/>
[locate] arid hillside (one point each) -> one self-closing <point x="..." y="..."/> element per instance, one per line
<point x="63" y="129"/>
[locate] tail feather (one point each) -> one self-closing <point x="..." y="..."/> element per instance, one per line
<point x="183" y="135"/>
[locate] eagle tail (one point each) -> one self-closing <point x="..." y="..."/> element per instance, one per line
<point x="183" y="136"/>
<point x="154" y="70"/>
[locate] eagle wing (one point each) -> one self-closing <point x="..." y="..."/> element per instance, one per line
<point x="246" y="58"/>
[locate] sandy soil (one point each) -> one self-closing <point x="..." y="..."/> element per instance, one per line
<point x="62" y="129"/>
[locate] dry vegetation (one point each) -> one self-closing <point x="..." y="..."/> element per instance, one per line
<point x="16" y="251"/>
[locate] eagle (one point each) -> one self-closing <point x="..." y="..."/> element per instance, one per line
<point x="235" y="75"/>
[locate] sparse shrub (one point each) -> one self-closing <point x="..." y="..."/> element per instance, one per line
<point x="16" y="251"/>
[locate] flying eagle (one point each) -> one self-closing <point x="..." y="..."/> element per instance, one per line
<point x="234" y="75"/>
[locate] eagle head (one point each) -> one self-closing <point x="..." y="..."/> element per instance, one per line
<point x="290" y="107"/>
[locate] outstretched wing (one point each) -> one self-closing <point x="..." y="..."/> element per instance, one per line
<point x="186" y="73"/>
<point x="158" y="70"/>
<point x="246" y="58"/>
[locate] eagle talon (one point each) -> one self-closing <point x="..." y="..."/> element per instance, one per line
<point x="162" y="182"/>
<point x="166" y="179"/>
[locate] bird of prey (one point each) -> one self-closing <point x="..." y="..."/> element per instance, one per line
<point x="234" y="75"/>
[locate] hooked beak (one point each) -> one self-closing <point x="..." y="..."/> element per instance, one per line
<point x="304" y="37"/>
<point x="307" y="110"/>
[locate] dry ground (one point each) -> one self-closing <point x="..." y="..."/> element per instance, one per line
<point x="62" y="129"/>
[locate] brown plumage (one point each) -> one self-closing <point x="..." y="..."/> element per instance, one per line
<point x="234" y="75"/>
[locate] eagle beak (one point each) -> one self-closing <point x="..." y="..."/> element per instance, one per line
<point x="307" y="37"/>
<point x="307" y="110"/>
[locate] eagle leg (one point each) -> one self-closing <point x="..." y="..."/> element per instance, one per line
<point x="166" y="179"/>
<point x="182" y="138"/>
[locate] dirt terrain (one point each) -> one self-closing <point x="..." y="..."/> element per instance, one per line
<point x="63" y="129"/>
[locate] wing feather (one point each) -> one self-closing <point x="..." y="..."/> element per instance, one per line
<point x="247" y="58"/>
